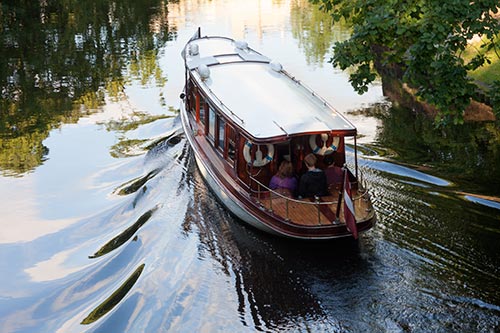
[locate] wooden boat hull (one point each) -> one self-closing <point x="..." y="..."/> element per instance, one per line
<point x="244" y="117"/>
<point x="239" y="203"/>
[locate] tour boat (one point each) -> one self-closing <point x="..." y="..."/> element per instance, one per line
<point x="243" y="114"/>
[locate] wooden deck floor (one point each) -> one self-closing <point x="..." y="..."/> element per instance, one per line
<point x="307" y="212"/>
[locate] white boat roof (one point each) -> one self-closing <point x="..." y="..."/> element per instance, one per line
<point x="265" y="102"/>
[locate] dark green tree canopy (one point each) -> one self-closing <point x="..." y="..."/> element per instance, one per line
<point x="425" y="41"/>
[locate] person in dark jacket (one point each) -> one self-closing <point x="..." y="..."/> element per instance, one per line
<point x="313" y="182"/>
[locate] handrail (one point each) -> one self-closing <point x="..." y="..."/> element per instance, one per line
<point x="288" y="200"/>
<point x="287" y="197"/>
<point x="298" y="200"/>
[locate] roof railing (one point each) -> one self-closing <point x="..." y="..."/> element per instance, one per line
<point x="299" y="82"/>
<point x="313" y="93"/>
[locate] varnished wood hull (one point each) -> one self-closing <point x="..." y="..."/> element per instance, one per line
<point x="237" y="199"/>
<point x="245" y="117"/>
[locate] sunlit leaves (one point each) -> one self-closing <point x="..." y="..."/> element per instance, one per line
<point x="362" y="78"/>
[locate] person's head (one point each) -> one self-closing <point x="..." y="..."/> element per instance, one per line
<point x="310" y="160"/>
<point x="285" y="169"/>
<point x="329" y="159"/>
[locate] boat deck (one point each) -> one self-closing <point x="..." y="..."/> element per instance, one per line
<point x="307" y="212"/>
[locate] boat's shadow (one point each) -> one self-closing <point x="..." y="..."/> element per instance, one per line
<point x="278" y="282"/>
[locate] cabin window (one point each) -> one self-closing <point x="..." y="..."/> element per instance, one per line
<point x="211" y="123"/>
<point x="231" y="142"/>
<point x="203" y="110"/>
<point x="191" y="97"/>
<point x="221" y="134"/>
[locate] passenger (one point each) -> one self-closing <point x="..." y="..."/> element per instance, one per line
<point x="333" y="173"/>
<point x="313" y="182"/>
<point x="284" y="179"/>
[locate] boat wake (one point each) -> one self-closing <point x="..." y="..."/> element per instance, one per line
<point x="165" y="256"/>
<point x="96" y="265"/>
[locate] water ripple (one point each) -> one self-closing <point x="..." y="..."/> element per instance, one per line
<point x="115" y="297"/>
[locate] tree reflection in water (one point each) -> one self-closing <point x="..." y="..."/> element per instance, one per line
<point x="469" y="154"/>
<point x="61" y="58"/>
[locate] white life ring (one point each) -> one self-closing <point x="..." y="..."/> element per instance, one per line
<point x="259" y="160"/>
<point x="324" y="149"/>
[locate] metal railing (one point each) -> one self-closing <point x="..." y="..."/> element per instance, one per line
<point x="263" y="189"/>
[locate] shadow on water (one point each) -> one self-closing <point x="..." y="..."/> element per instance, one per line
<point x="169" y="257"/>
<point x="468" y="153"/>
<point x="95" y="286"/>
<point x="278" y="282"/>
<point x="135" y="184"/>
<point x="156" y="148"/>
<point x="417" y="270"/>
<point x="138" y="185"/>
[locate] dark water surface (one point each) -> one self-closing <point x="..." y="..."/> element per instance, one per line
<point x="107" y="226"/>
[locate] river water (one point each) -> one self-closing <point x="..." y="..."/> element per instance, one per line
<point x="107" y="226"/>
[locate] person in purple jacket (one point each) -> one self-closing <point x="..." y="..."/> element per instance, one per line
<point x="284" y="179"/>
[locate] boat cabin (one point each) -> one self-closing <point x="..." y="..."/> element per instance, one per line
<point x="244" y="115"/>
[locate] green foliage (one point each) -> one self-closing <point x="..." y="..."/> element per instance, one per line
<point x="423" y="40"/>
